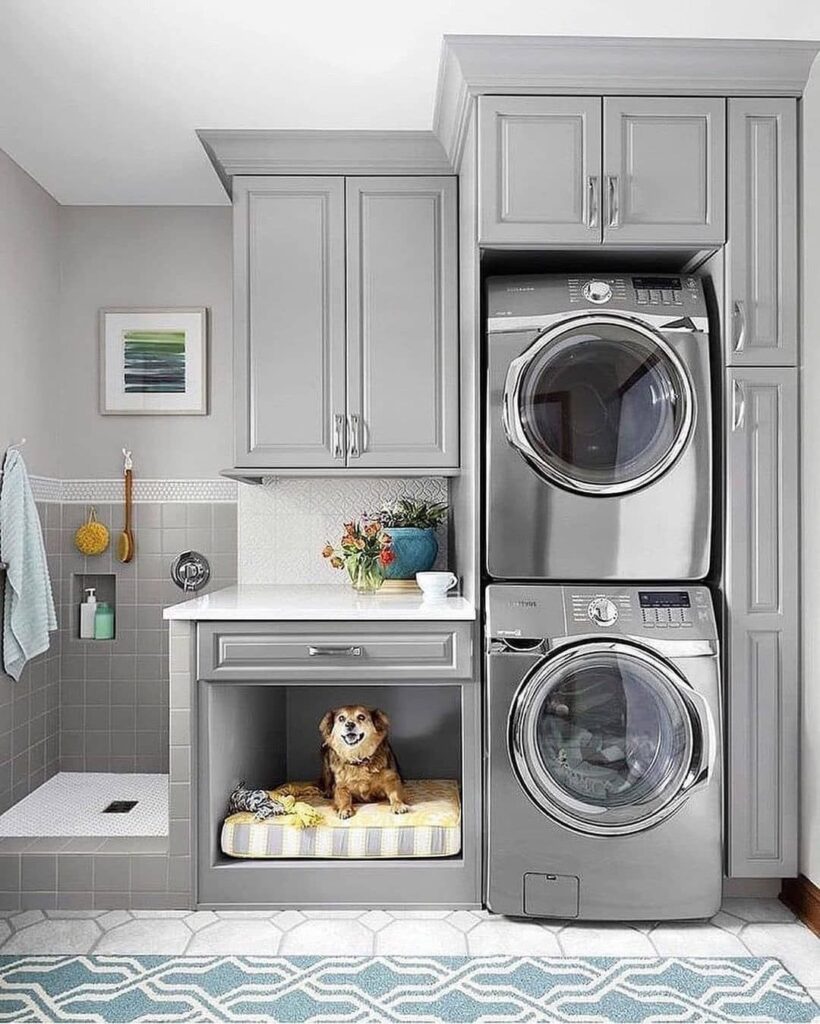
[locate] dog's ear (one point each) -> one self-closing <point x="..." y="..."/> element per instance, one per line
<point x="326" y="725"/>
<point x="380" y="720"/>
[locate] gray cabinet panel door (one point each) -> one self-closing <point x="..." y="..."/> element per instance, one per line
<point x="761" y="638"/>
<point x="402" y="328"/>
<point x="761" y="279"/>
<point x="664" y="166"/>
<point x="539" y="170"/>
<point x="289" y="325"/>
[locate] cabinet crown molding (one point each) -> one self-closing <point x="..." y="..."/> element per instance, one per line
<point x="475" y="65"/>
<point x="249" y="152"/>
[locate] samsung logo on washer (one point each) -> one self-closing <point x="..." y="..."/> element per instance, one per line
<point x="523" y="603"/>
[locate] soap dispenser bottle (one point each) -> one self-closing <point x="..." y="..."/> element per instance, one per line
<point x="88" y="610"/>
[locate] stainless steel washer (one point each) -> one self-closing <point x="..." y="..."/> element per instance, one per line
<point x="598" y="428"/>
<point x="604" y="757"/>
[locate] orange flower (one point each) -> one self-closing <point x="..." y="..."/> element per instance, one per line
<point x="358" y="543"/>
<point x="327" y="551"/>
<point x="386" y="556"/>
<point x="371" y="529"/>
<point x="336" y="562"/>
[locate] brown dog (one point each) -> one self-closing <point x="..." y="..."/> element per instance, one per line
<point x="357" y="760"/>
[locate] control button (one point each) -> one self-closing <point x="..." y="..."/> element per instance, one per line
<point x="662" y="617"/>
<point x="676" y="299"/>
<point x="666" y="296"/>
<point x="641" y="296"/>
<point x="654" y="295"/>
<point x="686" y="624"/>
<point x="597" y="291"/>
<point x="602" y="611"/>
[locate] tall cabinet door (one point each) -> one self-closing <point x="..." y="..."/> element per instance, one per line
<point x="761" y="638"/>
<point x="539" y="170"/>
<point x="761" y="258"/>
<point x="664" y="166"/>
<point x="402" y="326"/>
<point x="289" y="321"/>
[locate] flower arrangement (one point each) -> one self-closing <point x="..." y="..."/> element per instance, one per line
<point x="365" y="551"/>
<point x="409" y="513"/>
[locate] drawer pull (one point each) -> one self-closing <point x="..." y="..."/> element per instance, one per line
<point x="334" y="652"/>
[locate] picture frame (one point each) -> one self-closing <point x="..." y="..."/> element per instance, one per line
<point x="154" y="361"/>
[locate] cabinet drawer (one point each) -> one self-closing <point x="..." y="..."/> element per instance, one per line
<point x="330" y="651"/>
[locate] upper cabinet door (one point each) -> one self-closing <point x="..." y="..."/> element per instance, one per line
<point x="761" y="277"/>
<point x="539" y="171"/>
<point x="664" y="167"/>
<point x="402" y="329"/>
<point x="289" y="329"/>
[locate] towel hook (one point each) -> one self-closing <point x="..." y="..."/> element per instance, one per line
<point x="127" y="456"/>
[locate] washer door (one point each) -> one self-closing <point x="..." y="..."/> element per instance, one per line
<point x="599" y="405"/>
<point x="605" y="738"/>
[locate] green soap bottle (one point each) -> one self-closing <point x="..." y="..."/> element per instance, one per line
<point x="104" y="621"/>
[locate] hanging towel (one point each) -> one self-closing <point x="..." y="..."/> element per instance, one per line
<point x="29" y="604"/>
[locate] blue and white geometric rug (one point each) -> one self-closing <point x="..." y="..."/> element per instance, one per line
<point x="417" y="989"/>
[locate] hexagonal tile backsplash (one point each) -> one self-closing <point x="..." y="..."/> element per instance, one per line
<point x="285" y="523"/>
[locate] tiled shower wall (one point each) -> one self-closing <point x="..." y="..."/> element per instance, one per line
<point x="30" y="708"/>
<point x="114" y="694"/>
<point x="285" y="523"/>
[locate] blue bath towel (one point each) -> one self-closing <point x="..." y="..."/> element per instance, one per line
<point x="29" y="604"/>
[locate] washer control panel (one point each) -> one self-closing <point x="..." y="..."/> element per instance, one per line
<point x="528" y="611"/>
<point x="656" y="292"/>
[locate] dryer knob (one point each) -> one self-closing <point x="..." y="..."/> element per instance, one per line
<point x="597" y="291"/>
<point x="602" y="611"/>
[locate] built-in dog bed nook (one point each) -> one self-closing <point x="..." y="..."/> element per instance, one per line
<point x="431" y="828"/>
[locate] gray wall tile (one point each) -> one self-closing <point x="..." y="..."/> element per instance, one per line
<point x="75" y="872"/>
<point x="38" y="873"/>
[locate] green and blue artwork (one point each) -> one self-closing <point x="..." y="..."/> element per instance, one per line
<point x="154" y="362"/>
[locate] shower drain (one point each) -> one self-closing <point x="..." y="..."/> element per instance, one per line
<point x="120" y="806"/>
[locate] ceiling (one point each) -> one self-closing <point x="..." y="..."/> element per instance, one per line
<point x="100" y="99"/>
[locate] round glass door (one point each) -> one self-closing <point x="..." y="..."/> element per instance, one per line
<point x="603" y="738"/>
<point x="599" y="405"/>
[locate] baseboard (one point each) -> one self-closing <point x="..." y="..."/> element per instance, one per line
<point x="751" y="888"/>
<point x="803" y="897"/>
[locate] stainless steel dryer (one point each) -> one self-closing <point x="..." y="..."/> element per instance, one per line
<point x="603" y="777"/>
<point x="598" y="428"/>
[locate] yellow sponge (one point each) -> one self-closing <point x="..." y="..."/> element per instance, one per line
<point x="92" y="537"/>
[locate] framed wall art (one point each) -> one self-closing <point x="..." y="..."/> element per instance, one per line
<point x="154" y="361"/>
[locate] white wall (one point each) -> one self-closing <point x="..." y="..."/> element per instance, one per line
<point x="810" y="757"/>
<point x="29" y="287"/>
<point x="142" y="256"/>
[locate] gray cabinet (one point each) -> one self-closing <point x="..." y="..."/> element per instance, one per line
<point x="540" y="169"/>
<point x="664" y="167"/>
<point x="289" y="328"/>
<point x="617" y="170"/>
<point x="402" y="354"/>
<point x="345" y="323"/>
<point x="761" y="637"/>
<point x="761" y="257"/>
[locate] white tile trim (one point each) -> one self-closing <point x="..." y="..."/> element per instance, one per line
<point x="48" y="489"/>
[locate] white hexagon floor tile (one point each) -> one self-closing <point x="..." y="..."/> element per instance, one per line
<point x="516" y="938"/>
<point x="78" y="936"/>
<point x="794" y="944"/>
<point x="326" y="938"/>
<point x="419" y="938"/>
<point x="683" y="939"/>
<point x="759" y="911"/>
<point x="605" y="940"/>
<point x="375" y="920"/>
<point x="245" y="938"/>
<point x="200" y="919"/>
<point x="164" y="937"/>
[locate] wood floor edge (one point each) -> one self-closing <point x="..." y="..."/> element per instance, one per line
<point x="803" y="898"/>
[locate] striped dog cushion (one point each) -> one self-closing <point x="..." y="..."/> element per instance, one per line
<point x="432" y="827"/>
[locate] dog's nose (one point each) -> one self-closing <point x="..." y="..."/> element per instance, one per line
<point x="350" y="726"/>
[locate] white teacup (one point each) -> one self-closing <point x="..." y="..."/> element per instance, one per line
<point x="436" y="584"/>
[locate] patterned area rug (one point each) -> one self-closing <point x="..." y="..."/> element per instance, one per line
<point x="417" y="989"/>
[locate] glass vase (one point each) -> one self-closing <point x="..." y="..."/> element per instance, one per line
<point x="366" y="575"/>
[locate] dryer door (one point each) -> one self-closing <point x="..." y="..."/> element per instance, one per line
<point x="607" y="737"/>
<point x="599" y="404"/>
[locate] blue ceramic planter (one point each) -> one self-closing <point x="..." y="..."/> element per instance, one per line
<point x="415" y="551"/>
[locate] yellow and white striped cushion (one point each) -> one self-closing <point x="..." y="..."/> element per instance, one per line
<point x="431" y="828"/>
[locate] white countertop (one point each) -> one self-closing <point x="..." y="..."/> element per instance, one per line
<point x="317" y="602"/>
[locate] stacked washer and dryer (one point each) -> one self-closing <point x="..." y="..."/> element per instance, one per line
<point x="603" y="711"/>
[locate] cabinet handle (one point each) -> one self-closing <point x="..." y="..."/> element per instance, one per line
<point x="334" y="652"/>
<point x="738" y="405"/>
<point x="739" y="317"/>
<point x="354" y="440"/>
<point x="592" y="201"/>
<point x="338" y="435"/>
<point x="613" y="200"/>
